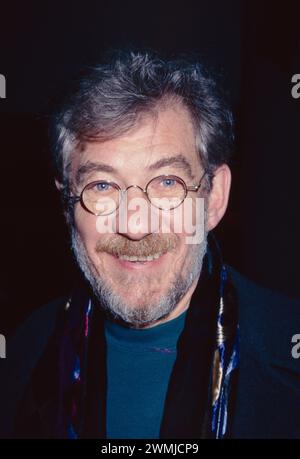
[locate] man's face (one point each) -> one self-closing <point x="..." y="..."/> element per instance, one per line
<point x="139" y="293"/>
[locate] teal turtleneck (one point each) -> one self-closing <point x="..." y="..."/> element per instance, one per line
<point x="139" y="365"/>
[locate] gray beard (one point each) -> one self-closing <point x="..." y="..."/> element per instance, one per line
<point x="124" y="312"/>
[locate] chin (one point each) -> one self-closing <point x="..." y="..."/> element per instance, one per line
<point x="140" y="301"/>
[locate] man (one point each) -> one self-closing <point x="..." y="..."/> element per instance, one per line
<point x="164" y="340"/>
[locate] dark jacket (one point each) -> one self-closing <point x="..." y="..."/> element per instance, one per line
<point x="267" y="401"/>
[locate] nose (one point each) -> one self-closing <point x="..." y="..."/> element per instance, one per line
<point x="134" y="214"/>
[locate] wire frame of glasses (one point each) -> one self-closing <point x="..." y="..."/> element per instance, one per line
<point x="165" y="192"/>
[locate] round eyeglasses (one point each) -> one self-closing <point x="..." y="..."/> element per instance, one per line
<point x="102" y="197"/>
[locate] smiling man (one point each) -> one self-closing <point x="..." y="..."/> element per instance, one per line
<point x="163" y="340"/>
<point x="161" y="144"/>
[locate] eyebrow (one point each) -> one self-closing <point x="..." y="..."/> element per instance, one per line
<point x="90" y="166"/>
<point x="178" y="160"/>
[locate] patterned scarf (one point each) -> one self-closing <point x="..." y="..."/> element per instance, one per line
<point x="200" y="395"/>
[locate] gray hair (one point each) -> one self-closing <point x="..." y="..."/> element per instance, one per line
<point x="109" y="99"/>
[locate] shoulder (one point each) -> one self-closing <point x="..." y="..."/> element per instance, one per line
<point x="268" y="319"/>
<point x="32" y="334"/>
<point x="268" y="392"/>
<point x="23" y="351"/>
<point x="258" y="295"/>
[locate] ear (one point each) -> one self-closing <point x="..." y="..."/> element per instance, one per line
<point x="218" y="196"/>
<point x="58" y="185"/>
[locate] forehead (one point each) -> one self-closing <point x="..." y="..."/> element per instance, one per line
<point x="168" y="134"/>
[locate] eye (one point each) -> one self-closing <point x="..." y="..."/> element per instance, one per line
<point x="102" y="186"/>
<point x="168" y="182"/>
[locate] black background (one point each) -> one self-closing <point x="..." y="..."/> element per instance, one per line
<point x="254" y="45"/>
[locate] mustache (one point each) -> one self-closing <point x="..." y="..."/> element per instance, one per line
<point x="151" y="244"/>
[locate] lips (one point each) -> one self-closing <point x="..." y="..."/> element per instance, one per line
<point x="133" y="262"/>
<point x="140" y="259"/>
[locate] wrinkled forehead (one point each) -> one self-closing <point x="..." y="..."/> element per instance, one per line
<point x="155" y="142"/>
